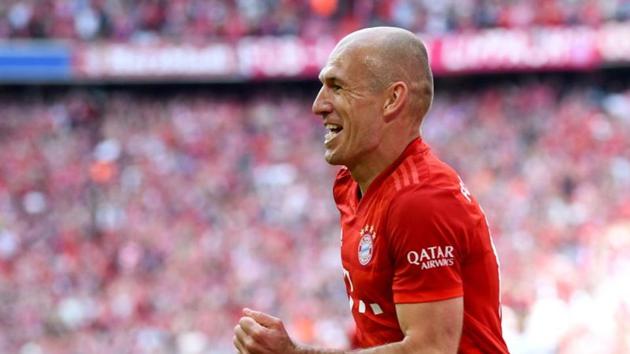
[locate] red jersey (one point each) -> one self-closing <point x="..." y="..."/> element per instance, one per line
<point x="417" y="235"/>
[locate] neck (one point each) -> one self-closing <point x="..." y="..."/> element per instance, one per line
<point x="377" y="162"/>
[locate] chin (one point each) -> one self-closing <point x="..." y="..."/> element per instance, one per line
<point x="332" y="159"/>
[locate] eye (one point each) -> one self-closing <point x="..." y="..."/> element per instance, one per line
<point x="335" y="87"/>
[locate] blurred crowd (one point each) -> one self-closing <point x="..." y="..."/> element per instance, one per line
<point x="142" y="223"/>
<point x="201" y="20"/>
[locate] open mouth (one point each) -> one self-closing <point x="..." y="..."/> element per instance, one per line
<point x="333" y="131"/>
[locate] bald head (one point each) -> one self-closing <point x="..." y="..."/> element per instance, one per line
<point x="393" y="54"/>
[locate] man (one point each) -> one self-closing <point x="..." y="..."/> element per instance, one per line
<point x="419" y="265"/>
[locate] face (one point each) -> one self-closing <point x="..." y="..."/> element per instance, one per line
<point x="350" y="109"/>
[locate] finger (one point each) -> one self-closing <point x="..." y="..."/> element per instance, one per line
<point x="240" y="334"/>
<point x="262" y="318"/>
<point x="250" y="326"/>
<point x="245" y="342"/>
<point x="241" y="339"/>
<point x="239" y="346"/>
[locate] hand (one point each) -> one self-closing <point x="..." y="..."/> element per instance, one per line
<point x="260" y="333"/>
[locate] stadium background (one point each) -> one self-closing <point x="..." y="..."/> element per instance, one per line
<point x="161" y="169"/>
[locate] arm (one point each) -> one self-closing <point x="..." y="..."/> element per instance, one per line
<point x="430" y="327"/>
<point x="260" y="333"/>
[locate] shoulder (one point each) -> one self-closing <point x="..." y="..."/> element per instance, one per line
<point x="424" y="182"/>
<point x="438" y="209"/>
<point x="440" y="175"/>
<point x="428" y="216"/>
<point x="418" y="201"/>
<point x="423" y="168"/>
<point x="439" y="199"/>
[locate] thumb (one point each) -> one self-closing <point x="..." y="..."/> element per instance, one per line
<point x="262" y="318"/>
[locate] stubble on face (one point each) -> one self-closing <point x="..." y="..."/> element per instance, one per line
<point x="353" y="106"/>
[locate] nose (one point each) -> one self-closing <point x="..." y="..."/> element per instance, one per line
<point x="322" y="105"/>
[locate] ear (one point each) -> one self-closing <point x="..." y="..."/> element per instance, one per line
<point x="395" y="100"/>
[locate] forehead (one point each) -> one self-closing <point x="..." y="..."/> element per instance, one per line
<point x="341" y="64"/>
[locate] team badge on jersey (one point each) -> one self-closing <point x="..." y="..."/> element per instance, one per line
<point x="366" y="245"/>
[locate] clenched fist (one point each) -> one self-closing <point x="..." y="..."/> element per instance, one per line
<point x="260" y="333"/>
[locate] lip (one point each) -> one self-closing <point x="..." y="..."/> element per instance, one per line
<point x="330" y="137"/>
<point x="328" y="141"/>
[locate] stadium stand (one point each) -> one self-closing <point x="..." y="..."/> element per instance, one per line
<point x="193" y="20"/>
<point x="137" y="224"/>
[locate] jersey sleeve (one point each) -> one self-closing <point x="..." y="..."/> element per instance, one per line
<point x="427" y="237"/>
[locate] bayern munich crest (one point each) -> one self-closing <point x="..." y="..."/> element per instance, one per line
<point x="366" y="245"/>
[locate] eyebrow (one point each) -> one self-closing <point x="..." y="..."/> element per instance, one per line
<point x="333" y="79"/>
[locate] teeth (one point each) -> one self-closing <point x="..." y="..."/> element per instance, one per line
<point x="332" y="126"/>
<point x="330" y="136"/>
<point x="333" y="130"/>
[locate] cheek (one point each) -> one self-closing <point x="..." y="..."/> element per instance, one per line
<point x="370" y="129"/>
<point x="364" y="126"/>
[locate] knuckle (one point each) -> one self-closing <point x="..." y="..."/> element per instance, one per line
<point x="249" y="343"/>
<point x="277" y="323"/>
<point x="256" y="333"/>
